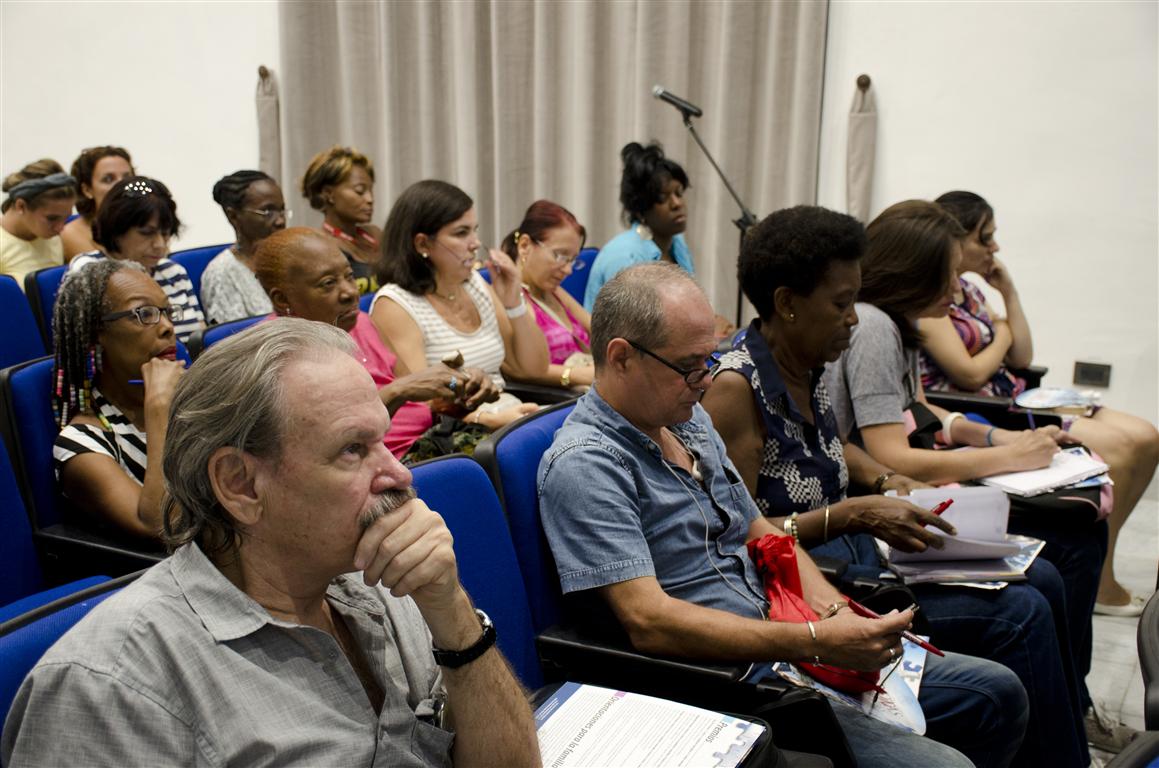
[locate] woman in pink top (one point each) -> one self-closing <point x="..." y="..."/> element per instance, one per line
<point x="546" y="245"/>
<point x="306" y="275"/>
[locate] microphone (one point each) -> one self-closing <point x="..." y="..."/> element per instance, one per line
<point x="689" y="110"/>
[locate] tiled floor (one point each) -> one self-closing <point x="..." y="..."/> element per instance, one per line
<point x="1115" y="679"/>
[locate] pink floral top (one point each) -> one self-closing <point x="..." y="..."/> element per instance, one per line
<point x="562" y="341"/>
<point x="976" y="329"/>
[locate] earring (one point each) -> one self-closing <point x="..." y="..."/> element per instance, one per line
<point x="425" y="255"/>
<point x="792" y="318"/>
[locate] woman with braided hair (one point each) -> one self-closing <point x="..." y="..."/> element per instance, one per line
<point x="39" y="199"/>
<point x="254" y="205"/>
<point x="115" y="372"/>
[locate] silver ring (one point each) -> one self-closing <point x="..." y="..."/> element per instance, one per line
<point x="453" y="383"/>
<point x="892" y="655"/>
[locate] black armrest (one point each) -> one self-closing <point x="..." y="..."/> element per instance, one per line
<point x="1031" y="374"/>
<point x="1148" y="642"/>
<point x="803" y="721"/>
<point x="538" y="393"/>
<point x="69" y="552"/>
<point x="999" y="411"/>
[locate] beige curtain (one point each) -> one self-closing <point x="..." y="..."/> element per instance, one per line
<point x="513" y="101"/>
<point x="860" y="151"/>
<point x="269" y="124"/>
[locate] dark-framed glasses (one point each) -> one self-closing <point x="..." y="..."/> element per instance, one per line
<point x="269" y="214"/>
<point x="691" y="377"/>
<point x="563" y="259"/>
<point x="148" y="314"/>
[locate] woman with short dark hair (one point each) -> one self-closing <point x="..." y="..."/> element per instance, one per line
<point x="800" y="268"/>
<point x="96" y="170"/>
<point x="134" y="223"/>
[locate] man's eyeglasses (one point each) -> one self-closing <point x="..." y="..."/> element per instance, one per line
<point x="148" y="314"/>
<point x="691" y="377"/>
<point x="563" y="259"/>
<point x="269" y="214"/>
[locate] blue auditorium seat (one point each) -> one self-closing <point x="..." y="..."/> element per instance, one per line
<point x="458" y="489"/>
<point x="204" y="338"/>
<point x="41" y="288"/>
<point x="195" y="260"/>
<point x="21" y="339"/>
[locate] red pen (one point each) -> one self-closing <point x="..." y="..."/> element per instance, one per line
<point x="941" y="507"/>
<point x="861" y="610"/>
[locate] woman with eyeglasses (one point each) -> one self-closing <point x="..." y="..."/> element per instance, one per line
<point x="546" y="246"/>
<point x="115" y="372"/>
<point x="96" y="170"/>
<point x="339" y="182"/>
<point x="255" y="208"/>
<point x="134" y="223"/>
<point x="433" y="306"/>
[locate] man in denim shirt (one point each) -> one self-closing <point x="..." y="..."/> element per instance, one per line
<point x="640" y="503"/>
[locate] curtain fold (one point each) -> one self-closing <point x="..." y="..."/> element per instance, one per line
<point x="514" y="100"/>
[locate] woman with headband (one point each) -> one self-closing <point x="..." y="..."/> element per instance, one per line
<point x="39" y="199"/>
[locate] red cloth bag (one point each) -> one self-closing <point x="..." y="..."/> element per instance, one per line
<point x="775" y="558"/>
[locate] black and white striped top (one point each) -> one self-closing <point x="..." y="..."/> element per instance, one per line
<point x="124" y="445"/>
<point x="174" y="280"/>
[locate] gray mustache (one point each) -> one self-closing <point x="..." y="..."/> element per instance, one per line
<point x="387" y="503"/>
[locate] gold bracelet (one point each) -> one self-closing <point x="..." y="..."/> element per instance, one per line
<point x="825" y="539"/>
<point x="565" y="378"/>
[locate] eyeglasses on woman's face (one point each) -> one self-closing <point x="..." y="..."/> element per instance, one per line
<point x="148" y="314"/>
<point x="562" y="258"/>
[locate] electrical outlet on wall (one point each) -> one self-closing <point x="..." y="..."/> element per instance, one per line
<point x="1092" y="374"/>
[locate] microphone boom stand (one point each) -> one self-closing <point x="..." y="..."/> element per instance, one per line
<point x="747" y="217"/>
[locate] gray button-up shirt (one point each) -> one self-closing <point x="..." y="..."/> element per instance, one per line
<point x="181" y="667"/>
<point x="614" y="509"/>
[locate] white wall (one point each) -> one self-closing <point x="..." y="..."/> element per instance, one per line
<point x="173" y="83"/>
<point x="1049" y="110"/>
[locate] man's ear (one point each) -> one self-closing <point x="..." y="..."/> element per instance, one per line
<point x="617" y="354"/>
<point x="233" y="475"/>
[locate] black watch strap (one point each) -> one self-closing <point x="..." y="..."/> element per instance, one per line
<point x="456" y="659"/>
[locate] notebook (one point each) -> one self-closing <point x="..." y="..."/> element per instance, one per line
<point x="1069" y="466"/>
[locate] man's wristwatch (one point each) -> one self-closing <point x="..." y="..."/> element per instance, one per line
<point x="456" y="659"/>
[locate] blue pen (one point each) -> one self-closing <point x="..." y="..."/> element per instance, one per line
<point x="138" y="382"/>
<point x="1030" y="418"/>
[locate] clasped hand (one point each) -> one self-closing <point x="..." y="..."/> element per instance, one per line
<point x="410" y="551"/>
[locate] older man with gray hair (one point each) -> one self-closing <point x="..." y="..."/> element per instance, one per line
<point x="253" y="644"/>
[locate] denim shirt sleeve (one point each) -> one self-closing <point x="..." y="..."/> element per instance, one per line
<point x="593" y="527"/>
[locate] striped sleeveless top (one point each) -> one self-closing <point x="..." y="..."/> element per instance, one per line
<point x="124" y="445"/>
<point x="482" y="348"/>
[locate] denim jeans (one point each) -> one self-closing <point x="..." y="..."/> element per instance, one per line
<point x="973" y="706"/>
<point x="1025" y="627"/>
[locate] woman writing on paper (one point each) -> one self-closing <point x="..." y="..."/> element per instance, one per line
<point x="909" y="272"/>
<point x="970" y="351"/>
<point x="800" y="269"/>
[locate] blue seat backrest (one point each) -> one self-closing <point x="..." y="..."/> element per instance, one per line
<point x="195" y="260"/>
<point x="365" y="300"/>
<point x="517" y="452"/>
<point x="458" y="489"/>
<point x="19" y="569"/>
<point x="24" y="641"/>
<point x="577" y="282"/>
<point x="222" y="331"/>
<point x="20" y="338"/>
<point x="41" y="288"/>
<point x="28" y="398"/>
